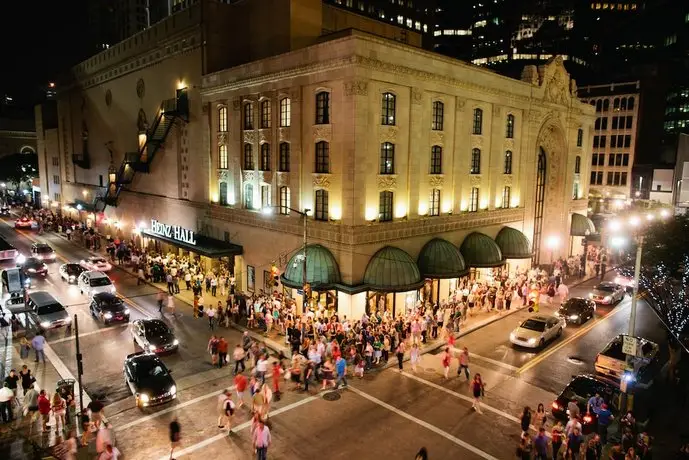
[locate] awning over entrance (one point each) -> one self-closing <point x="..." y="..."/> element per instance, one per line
<point x="480" y="251"/>
<point x="322" y="271"/>
<point x="581" y="225"/>
<point x="205" y="245"/>
<point x="441" y="259"/>
<point x="392" y="270"/>
<point x="513" y="244"/>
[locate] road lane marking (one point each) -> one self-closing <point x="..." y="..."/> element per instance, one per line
<point x="540" y="358"/>
<point x="426" y="425"/>
<point x="85" y="334"/>
<point x="492" y="409"/>
<point x="495" y="361"/>
<point x="240" y="427"/>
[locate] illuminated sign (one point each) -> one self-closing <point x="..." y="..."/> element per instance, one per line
<point x="174" y="232"/>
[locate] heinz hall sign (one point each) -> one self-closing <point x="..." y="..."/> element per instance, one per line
<point x="174" y="232"/>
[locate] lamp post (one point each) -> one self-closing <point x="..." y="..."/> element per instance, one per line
<point x="552" y="242"/>
<point x="304" y="215"/>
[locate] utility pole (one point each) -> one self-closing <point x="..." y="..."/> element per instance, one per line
<point x="80" y="366"/>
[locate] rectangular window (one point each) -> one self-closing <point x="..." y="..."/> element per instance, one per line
<point x="323" y="108"/>
<point x="616" y="179"/>
<point x="618" y="159"/>
<point x="284" y="200"/>
<point x="599" y="179"/>
<point x="265" y="196"/>
<point x="580" y="137"/>
<point x="222" y="157"/>
<point x="438" y="116"/>
<point x="604" y="125"/>
<point x="625" y="159"/>
<point x="508" y="163"/>
<point x="56" y="197"/>
<point x="478" y="122"/>
<point x="627" y="140"/>
<point x="509" y="129"/>
<point x="56" y="161"/>
<point x="248" y="196"/>
<point x="248" y="116"/>
<point x="506" y="196"/>
<point x="473" y="199"/>
<point x="56" y="179"/>
<point x="611" y="159"/>
<point x="434" y="208"/>
<point x="614" y="122"/>
<point x="603" y="141"/>
<point x="265" y="114"/>
<point x="475" y="161"/>
<point x="385" y="206"/>
<point x="222" y="119"/>
<point x="283" y="164"/>
<point x="630" y="121"/>
<point x="248" y="157"/>
<point x="436" y="160"/>
<point x="594" y="159"/>
<point x="285" y="112"/>
<point x="265" y="157"/>
<point x="322" y="157"/>
<point x="623" y="179"/>
<point x="596" y="141"/>
<point x="593" y="177"/>
<point x="609" y="179"/>
<point x="321" y="205"/>
<point x="388" y="109"/>
<point x="387" y="158"/>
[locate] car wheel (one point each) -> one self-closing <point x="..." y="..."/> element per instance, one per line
<point x="541" y="344"/>
<point x="559" y="332"/>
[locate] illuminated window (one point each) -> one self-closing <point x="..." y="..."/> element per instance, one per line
<point x="436" y="160"/>
<point x="509" y="128"/>
<point x="321" y="211"/>
<point x="248" y="157"/>
<point x="385" y="206"/>
<point x="387" y="158"/>
<point x="248" y="116"/>
<point x="475" y="161"/>
<point x="322" y="157"/>
<point x="434" y="208"/>
<point x="265" y="114"/>
<point x="323" y="108"/>
<point x="285" y="112"/>
<point x="222" y="157"/>
<point x="222" y="119"/>
<point x="248" y="196"/>
<point x="577" y="165"/>
<point x="265" y="196"/>
<point x="265" y="157"/>
<point x="283" y="163"/>
<point x="506" y="194"/>
<point x="508" y="163"/>
<point x="284" y="200"/>
<point x="473" y="199"/>
<point x="438" y="115"/>
<point x="478" y="121"/>
<point x="388" y="109"/>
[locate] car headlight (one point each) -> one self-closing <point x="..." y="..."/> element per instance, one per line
<point x="152" y="347"/>
<point x="590" y="295"/>
<point x="607" y="298"/>
<point x="45" y="324"/>
<point x="126" y="311"/>
<point x="21" y="258"/>
<point x="143" y="397"/>
<point x="532" y="341"/>
<point x="32" y="270"/>
<point x="72" y="278"/>
<point x="574" y="317"/>
<point x="512" y="335"/>
<point x="107" y="315"/>
<point x="68" y="320"/>
<point x="175" y="342"/>
<point x="173" y="390"/>
<point x="112" y="289"/>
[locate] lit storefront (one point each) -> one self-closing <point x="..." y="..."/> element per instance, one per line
<point x="582" y="227"/>
<point x="481" y="254"/>
<point x="515" y="248"/>
<point x="441" y="265"/>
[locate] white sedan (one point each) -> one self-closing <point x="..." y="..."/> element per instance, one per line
<point x="535" y="331"/>
<point x="98" y="264"/>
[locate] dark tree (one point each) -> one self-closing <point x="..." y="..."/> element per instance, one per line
<point x="18" y="167"/>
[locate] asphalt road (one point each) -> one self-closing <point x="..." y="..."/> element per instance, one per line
<point x="387" y="414"/>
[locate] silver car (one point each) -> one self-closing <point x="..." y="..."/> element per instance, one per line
<point x="607" y="293"/>
<point x="537" y="330"/>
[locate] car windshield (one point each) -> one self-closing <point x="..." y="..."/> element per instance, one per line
<point x="156" y="328"/>
<point x="50" y="308"/>
<point x="114" y="304"/>
<point x="533" y="325"/>
<point x="33" y="263"/>
<point x="149" y="368"/>
<point x="606" y="287"/>
<point x="74" y="269"/>
<point x="95" y="282"/>
<point x="44" y="249"/>
<point x="579" y="389"/>
<point x="97" y="261"/>
<point x="573" y="305"/>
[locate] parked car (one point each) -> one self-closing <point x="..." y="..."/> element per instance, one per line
<point x="4" y="210"/>
<point x="576" y="310"/>
<point x="47" y="311"/>
<point x="626" y="281"/>
<point x="92" y="282"/>
<point x="612" y="361"/>
<point x="34" y="268"/>
<point x="148" y="379"/>
<point x="96" y="263"/>
<point x="108" y="308"/>
<point x="536" y="330"/>
<point x="153" y="335"/>
<point x="70" y="272"/>
<point x="580" y="389"/>
<point x="607" y="293"/>
<point x="43" y="251"/>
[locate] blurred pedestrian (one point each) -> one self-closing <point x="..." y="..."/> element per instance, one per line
<point x="175" y="436"/>
<point x="477" y="389"/>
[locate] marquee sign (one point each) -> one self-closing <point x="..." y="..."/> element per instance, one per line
<point x="174" y="232"/>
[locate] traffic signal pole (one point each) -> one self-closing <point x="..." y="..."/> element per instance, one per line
<point x="80" y="366"/>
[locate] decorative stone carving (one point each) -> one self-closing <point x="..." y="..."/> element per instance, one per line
<point x="222" y="139"/>
<point x="388" y="134"/>
<point x="237" y="104"/>
<point x="507" y="179"/>
<point x="475" y="180"/>
<point x="222" y="175"/>
<point x="556" y="80"/>
<point x="436" y="180"/>
<point x="140" y="88"/>
<point x="264" y="135"/>
<point x="476" y="141"/>
<point x="387" y="182"/>
<point x="497" y="110"/>
<point x="322" y="133"/>
<point x="250" y="137"/>
<point x="283" y="178"/>
<point x="108" y="98"/>
<point x="461" y="103"/>
<point x="248" y="176"/>
<point x="530" y="75"/>
<point x="416" y="96"/>
<point x="509" y="144"/>
<point x="283" y="134"/>
<point x="266" y="177"/>
<point x="356" y="88"/>
<point x="321" y="181"/>
<point x="535" y="116"/>
<point x="437" y="137"/>
<point x="295" y="95"/>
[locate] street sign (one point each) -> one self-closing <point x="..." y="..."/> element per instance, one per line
<point x="629" y="345"/>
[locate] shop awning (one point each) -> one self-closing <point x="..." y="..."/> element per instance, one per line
<point x="513" y="244"/>
<point x="480" y="251"/>
<point x="322" y="271"/>
<point x="392" y="270"/>
<point x="441" y="259"/>
<point x="581" y="225"/>
<point x="205" y="245"/>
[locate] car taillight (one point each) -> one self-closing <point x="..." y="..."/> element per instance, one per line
<point x="556" y="406"/>
<point x="588" y="419"/>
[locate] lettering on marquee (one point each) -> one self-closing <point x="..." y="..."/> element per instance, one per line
<point x="174" y="232"/>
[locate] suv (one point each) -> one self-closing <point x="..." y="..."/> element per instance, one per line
<point x="47" y="311"/>
<point x="93" y="282"/>
<point x="108" y="308"/>
<point x="43" y="252"/>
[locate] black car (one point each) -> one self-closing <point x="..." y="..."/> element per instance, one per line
<point x="577" y="310"/>
<point x="580" y="389"/>
<point x="43" y="251"/>
<point x="34" y="267"/>
<point x="153" y="335"/>
<point x="70" y="272"/>
<point x="148" y="379"/>
<point x="108" y="308"/>
<point x="4" y="211"/>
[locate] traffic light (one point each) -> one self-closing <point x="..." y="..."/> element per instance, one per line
<point x="275" y="274"/>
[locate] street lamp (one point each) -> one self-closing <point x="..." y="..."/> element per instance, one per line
<point x="304" y="214"/>
<point x="552" y="243"/>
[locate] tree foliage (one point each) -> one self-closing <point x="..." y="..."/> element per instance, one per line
<point x="666" y="244"/>
<point x="18" y="167"/>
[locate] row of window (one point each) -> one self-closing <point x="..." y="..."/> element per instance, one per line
<point x="601" y="123"/>
<point x="613" y="178"/>
<point x="56" y="161"/>
<point x="616" y="141"/>
<point x="265" y="122"/>
<point x="618" y="104"/>
<point x="265" y="161"/>
<point x="614" y="159"/>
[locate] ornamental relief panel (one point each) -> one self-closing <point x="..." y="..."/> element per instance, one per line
<point x="416" y="96"/>
<point x="356" y="88"/>
<point x="497" y="110"/>
<point x="250" y="137"/>
<point x="222" y="139"/>
<point x="265" y="176"/>
<point x="295" y="95"/>
<point x="283" y="134"/>
<point x="237" y="104"/>
<point x="283" y="178"/>
<point x="475" y="180"/>
<point x="509" y="144"/>
<point x="436" y="180"/>
<point x="321" y="181"/>
<point x="461" y="103"/>
<point x="322" y="133"/>
<point x="437" y="137"/>
<point x="507" y="179"/>
<point x="388" y="134"/>
<point x="248" y="176"/>
<point x="476" y="141"/>
<point x="387" y="182"/>
<point x="264" y="135"/>
<point x="222" y="175"/>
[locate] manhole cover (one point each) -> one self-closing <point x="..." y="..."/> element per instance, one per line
<point x="430" y="370"/>
<point x="332" y="396"/>
<point x="575" y="360"/>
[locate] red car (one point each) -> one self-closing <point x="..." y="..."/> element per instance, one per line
<point x="24" y="223"/>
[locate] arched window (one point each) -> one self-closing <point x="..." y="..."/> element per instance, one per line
<point x="509" y="127"/>
<point x="248" y="157"/>
<point x="265" y="157"/>
<point x="388" y="109"/>
<point x="580" y="137"/>
<point x="438" y="116"/>
<point x="478" y="121"/>
<point x="436" y="160"/>
<point x="387" y="158"/>
<point x="248" y="116"/>
<point x="630" y="103"/>
<point x="223" y="194"/>
<point x="385" y="206"/>
<point x="285" y="112"/>
<point x="506" y="196"/>
<point x="248" y="196"/>
<point x="616" y="103"/>
<point x="323" y="108"/>
<point x="599" y="105"/>
<point x="222" y="119"/>
<point x="606" y="105"/>
<point x="475" y="161"/>
<point x="623" y="103"/>
<point x="321" y="211"/>
<point x="222" y="157"/>
<point x="322" y="157"/>
<point x="577" y="165"/>
<point x="508" y="163"/>
<point x="284" y="200"/>
<point x="265" y="114"/>
<point x="283" y="163"/>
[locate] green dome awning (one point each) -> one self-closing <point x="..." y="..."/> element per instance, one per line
<point x="441" y="259"/>
<point x="480" y="251"/>
<point x="321" y="269"/>
<point x="581" y="225"/>
<point x="392" y="270"/>
<point x="513" y="244"/>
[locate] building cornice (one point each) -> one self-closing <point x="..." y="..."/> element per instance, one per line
<point x="18" y="134"/>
